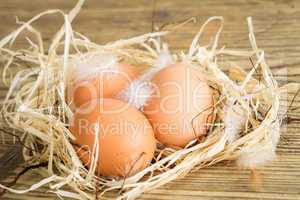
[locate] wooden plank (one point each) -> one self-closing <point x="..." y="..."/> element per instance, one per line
<point x="277" y="26"/>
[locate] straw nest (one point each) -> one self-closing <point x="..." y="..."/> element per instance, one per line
<point x="247" y="118"/>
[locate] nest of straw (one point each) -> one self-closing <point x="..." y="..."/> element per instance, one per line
<point x="246" y="110"/>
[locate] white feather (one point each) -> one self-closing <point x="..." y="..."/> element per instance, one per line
<point x="256" y="156"/>
<point x="263" y="152"/>
<point x="137" y="93"/>
<point x="164" y="59"/>
<point x="140" y="90"/>
<point x="202" y="55"/>
<point x="91" y="65"/>
<point x="234" y="120"/>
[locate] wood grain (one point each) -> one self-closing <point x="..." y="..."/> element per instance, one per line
<point x="277" y="27"/>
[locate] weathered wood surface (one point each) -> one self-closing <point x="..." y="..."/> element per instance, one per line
<point x="277" y="24"/>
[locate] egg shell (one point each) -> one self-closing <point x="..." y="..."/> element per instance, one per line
<point x="126" y="138"/>
<point x="106" y="83"/>
<point x="180" y="107"/>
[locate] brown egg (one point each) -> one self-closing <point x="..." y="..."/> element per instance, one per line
<point x="181" y="105"/>
<point x="126" y="138"/>
<point x="104" y="84"/>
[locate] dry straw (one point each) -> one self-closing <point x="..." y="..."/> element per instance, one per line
<point x="247" y="121"/>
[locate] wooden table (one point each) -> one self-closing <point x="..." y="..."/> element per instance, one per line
<point x="277" y="24"/>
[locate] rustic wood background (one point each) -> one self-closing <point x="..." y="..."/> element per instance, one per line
<point x="277" y="24"/>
